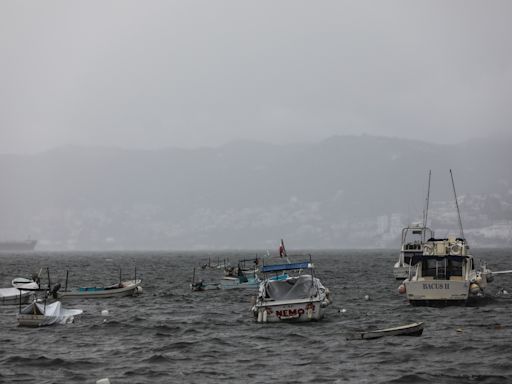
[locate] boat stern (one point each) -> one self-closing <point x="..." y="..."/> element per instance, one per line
<point x="441" y="292"/>
<point x="401" y="272"/>
<point x="271" y="312"/>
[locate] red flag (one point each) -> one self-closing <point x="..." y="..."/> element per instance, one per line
<point x="282" y="249"/>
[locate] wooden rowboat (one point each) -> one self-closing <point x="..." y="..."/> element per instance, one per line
<point x="414" y="329"/>
<point x="125" y="288"/>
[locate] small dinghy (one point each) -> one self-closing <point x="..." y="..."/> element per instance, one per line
<point x="123" y="288"/>
<point x="414" y="329"/>
<point x="41" y="314"/>
<point x="201" y="285"/>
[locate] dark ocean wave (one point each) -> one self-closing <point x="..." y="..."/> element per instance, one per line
<point x="172" y="335"/>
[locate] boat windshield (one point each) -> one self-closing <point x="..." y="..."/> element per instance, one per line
<point x="442" y="268"/>
<point x="304" y="286"/>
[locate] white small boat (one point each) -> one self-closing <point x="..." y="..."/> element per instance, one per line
<point x="414" y="329"/>
<point x="10" y="296"/>
<point x="22" y="291"/>
<point x="124" y="288"/>
<point x="299" y="298"/>
<point x="42" y="314"/>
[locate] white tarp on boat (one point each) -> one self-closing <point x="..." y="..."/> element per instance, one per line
<point x="301" y="287"/>
<point x="53" y="313"/>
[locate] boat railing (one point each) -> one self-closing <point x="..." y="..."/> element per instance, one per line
<point x="287" y="267"/>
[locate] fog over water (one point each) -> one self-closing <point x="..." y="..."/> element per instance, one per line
<point x="346" y="191"/>
<point x="177" y="124"/>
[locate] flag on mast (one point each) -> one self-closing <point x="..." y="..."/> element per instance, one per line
<point x="282" y="250"/>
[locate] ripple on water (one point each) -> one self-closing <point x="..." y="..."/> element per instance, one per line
<point x="172" y="335"/>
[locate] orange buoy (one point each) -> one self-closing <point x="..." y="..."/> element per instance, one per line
<point x="474" y="288"/>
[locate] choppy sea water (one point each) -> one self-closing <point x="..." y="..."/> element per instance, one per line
<point x="172" y="335"/>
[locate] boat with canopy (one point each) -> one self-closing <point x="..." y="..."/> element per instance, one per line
<point x="290" y="298"/>
<point x="42" y="314"/>
<point x="445" y="272"/>
<point x="412" y="240"/>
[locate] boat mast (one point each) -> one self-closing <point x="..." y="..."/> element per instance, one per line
<point x="425" y="213"/>
<point x="457" y="205"/>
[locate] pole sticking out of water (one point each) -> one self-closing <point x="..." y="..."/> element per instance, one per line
<point x="425" y="214"/>
<point x="457" y="205"/>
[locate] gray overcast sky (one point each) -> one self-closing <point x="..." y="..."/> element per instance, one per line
<point x="150" y="74"/>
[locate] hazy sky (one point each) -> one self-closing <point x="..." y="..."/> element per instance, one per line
<point x="150" y="74"/>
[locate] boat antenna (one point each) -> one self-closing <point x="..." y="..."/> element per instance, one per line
<point x="457" y="205"/>
<point x="425" y="213"/>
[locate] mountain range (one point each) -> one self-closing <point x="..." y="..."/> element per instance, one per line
<point x="343" y="192"/>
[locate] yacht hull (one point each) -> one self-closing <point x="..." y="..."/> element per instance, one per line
<point x="437" y="292"/>
<point x="296" y="310"/>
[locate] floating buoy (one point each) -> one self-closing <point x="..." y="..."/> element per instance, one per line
<point x="401" y="289"/>
<point x="460" y="330"/>
<point x="474" y="288"/>
<point x="264" y="316"/>
<point x="342" y="310"/>
<point x="103" y="381"/>
<point x="139" y="290"/>
<point x="104" y="313"/>
<point x="260" y="316"/>
<point x="366" y="297"/>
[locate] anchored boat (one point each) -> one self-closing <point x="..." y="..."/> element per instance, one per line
<point x="22" y="290"/>
<point x="414" y="329"/>
<point x="297" y="298"/>
<point x="445" y="272"/>
<point x="242" y="276"/>
<point x="42" y="314"/>
<point x="123" y="288"/>
<point x="413" y="238"/>
<point x="9" y="296"/>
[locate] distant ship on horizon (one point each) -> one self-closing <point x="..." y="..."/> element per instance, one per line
<point x="17" y="245"/>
